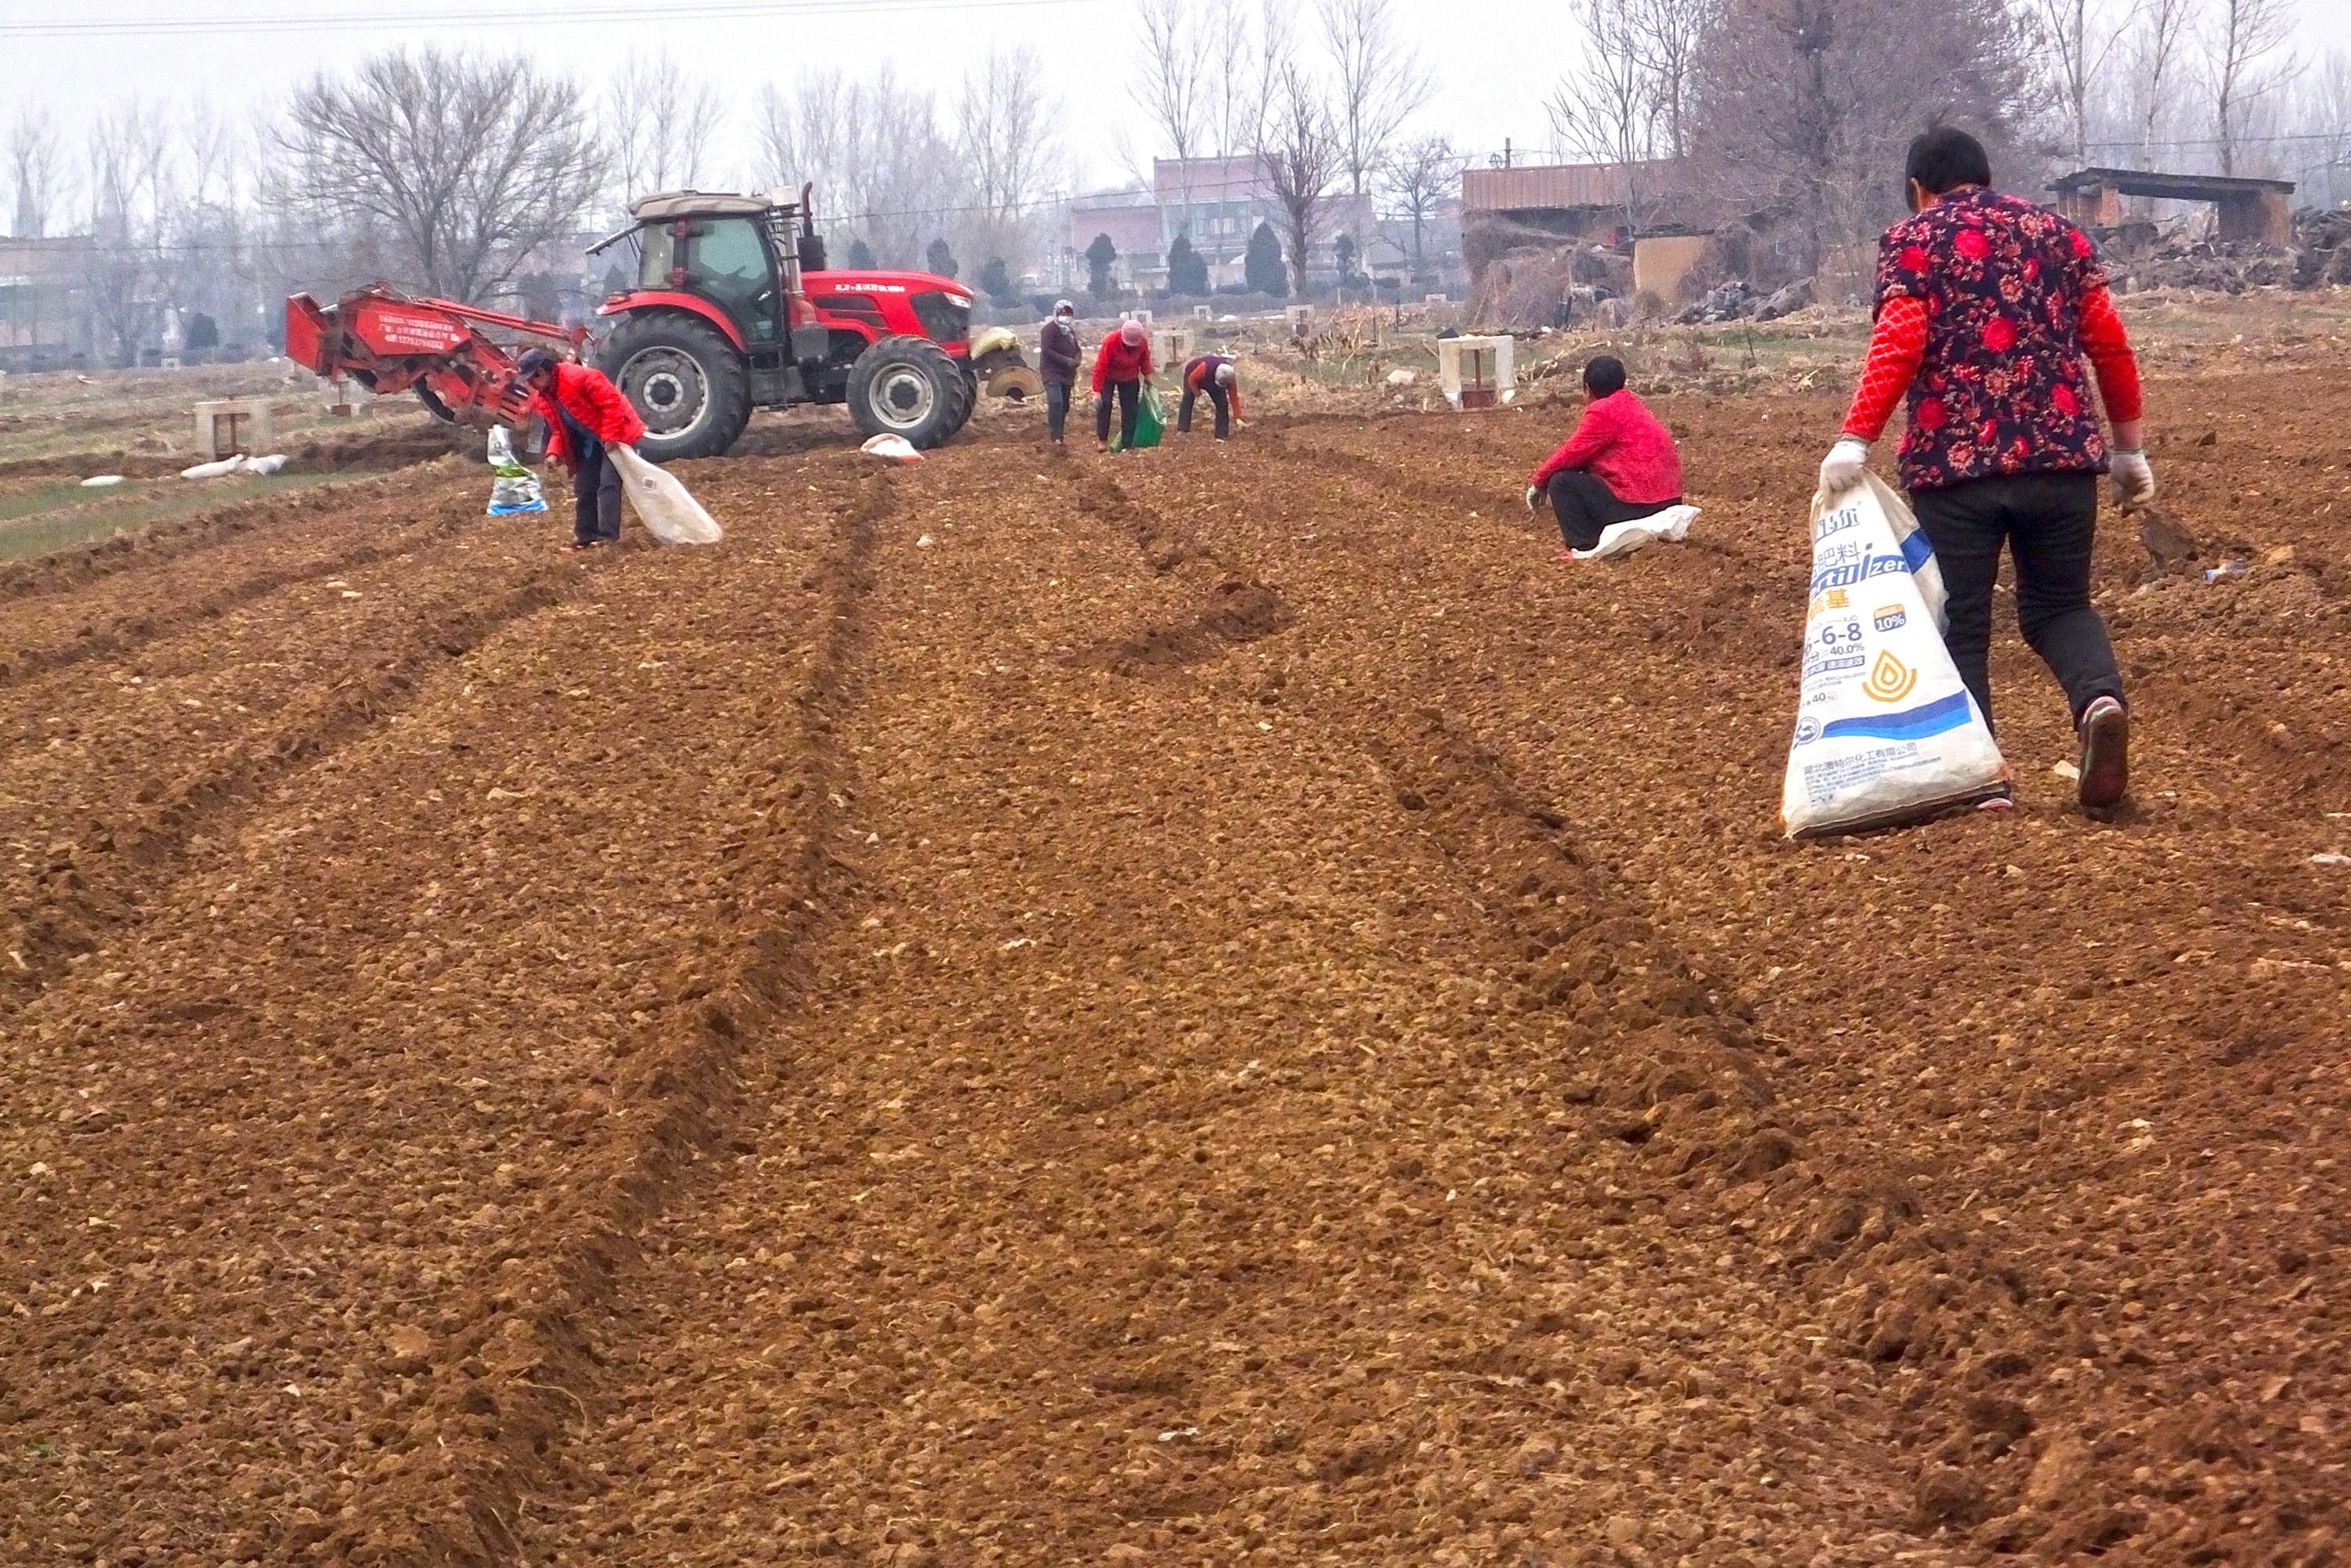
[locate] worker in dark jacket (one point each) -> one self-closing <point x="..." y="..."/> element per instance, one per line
<point x="585" y="413"/>
<point x="1987" y="307"/>
<point x="1122" y="367"/>
<point x="1619" y="465"/>
<point x="1058" y="356"/>
<point x="1218" y="379"/>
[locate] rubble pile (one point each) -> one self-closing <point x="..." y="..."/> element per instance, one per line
<point x="1739" y="300"/>
<point x="2185" y="257"/>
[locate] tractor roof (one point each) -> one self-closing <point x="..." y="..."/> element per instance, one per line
<point x="696" y="204"/>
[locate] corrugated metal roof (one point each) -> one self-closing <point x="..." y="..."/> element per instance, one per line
<point x="1546" y="185"/>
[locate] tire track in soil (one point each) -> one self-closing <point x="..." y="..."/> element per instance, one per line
<point x="78" y="894"/>
<point x="532" y="1335"/>
<point x="1502" y="1385"/>
<point x="1905" y="1287"/>
<point x="88" y="641"/>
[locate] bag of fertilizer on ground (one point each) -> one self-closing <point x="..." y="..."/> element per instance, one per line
<point x="1884" y="732"/>
<point x="1624" y="538"/>
<point x="1150" y="420"/>
<point x="516" y="488"/>
<point x="663" y="504"/>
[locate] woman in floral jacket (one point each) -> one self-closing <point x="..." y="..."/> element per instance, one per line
<point x="1987" y="305"/>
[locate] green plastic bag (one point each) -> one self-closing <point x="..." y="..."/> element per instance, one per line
<point x="1150" y="420"/>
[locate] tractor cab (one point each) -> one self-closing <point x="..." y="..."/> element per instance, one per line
<point x="733" y="309"/>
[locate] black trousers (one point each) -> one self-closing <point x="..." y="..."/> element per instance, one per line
<point x="1585" y="505"/>
<point x="1130" y="404"/>
<point x="595" y="491"/>
<point x="1057" y="408"/>
<point x="2049" y="522"/>
<point x="1215" y="395"/>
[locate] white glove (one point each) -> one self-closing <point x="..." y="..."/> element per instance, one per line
<point x="1534" y="497"/>
<point x="2132" y="478"/>
<point x="1841" y="469"/>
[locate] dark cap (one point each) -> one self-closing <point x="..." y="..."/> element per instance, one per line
<point x="534" y="361"/>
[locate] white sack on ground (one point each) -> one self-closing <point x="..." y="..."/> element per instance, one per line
<point x="896" y="448"/>
<point x="101" y="481"/>
<point x="663" y="504"/>
<point x="219" y="470"/>
<point x="269" y="464"/>
<point x="1885" y="731"/>
<point x="1624" y="538"/>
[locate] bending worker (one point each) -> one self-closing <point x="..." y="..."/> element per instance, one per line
<point x="1218" y="379"/>
<point x="1122" y="367"/>
<point x="1620" y="465"/>
<point x="585" y="413"/>
<point x="1057" y="353"/>
<point x="1986" y="306"/>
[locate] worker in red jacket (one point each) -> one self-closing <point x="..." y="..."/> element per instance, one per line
<point x="1122" y="367"/>
<point x="585" y="413"/>
<point x="1618" y="466"/>
<point x="1987" y="305"/>
<point x="1218" y="378"/>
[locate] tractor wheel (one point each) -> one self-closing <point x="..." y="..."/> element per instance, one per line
<point x="685" y="380"/>
<point x="908" y="386"/>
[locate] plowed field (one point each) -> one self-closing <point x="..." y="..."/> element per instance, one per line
<point x="1203" y="1007"/>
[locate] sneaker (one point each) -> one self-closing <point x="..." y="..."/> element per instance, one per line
<point x="1564" y="555"/>
<point x="2004" y="801"/>
<point x="2105" y="755"/>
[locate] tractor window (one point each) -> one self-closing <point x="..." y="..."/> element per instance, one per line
<point x="727" y="261"/>
<point x="656" y="255"/>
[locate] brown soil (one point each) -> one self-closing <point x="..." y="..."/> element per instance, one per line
<point x="1209" y="1007"/>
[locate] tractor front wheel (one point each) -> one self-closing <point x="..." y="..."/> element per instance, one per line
<point x="908" y="387"/>
<point x="685" y="380"/>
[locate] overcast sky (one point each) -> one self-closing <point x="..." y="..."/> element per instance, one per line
<point x="1494" y="61"/>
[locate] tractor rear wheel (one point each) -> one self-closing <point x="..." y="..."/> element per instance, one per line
<point x="908" y="387"/>
<point x="685" y="380"/>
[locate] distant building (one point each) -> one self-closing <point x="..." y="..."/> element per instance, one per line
<point x="44" y="317"/>
<point x="1131" y="218"/>
<point x="1504" y="209"/>
<point x="1217" y="203"/>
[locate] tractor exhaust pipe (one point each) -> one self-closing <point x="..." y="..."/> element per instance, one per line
<point x="811" y="246"/>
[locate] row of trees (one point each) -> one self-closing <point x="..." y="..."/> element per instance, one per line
<point x="1796" y="110"/>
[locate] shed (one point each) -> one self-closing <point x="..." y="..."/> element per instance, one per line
<point x="2249" y="209"/>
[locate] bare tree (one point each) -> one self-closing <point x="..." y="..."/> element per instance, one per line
<point x="1172" y="88"/>
<point x="1665" y="39"/>
<point x="1801" y="108"/>
<point x="2245" y="35"/>
<point x="1303" y="153"/>
<point x="1421" y="175"/>
<point x="885" y="172"/>
<point x="466" y="163"/>
<point x="658" y="122"/>
<point x="1235" y="107"/>
<point x="2076" y="38"/>
<point x="130" y="158"/>
<point x="35" y="167"/>
<point x="1379" y="83"/>
<point x="1608" y="110"/>
<point x="2322" y="108"/>
<point x="1005" y="130"/>
<point x="2161" y="27"/>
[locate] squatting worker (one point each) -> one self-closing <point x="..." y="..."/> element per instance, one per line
<point x="1218" y="378"/>
<point x="1057" y="353"/>
<point x="1986" y="306"/>
<point x="1122" y="366"/>
<point x="1620" y="464"/>
<point x="585" y="413"/>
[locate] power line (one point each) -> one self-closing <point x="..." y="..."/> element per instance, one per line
<point x="493" y="14"/>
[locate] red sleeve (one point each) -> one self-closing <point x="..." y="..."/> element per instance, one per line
<point x="1146" y="359"/>
<point x="1895" y="350"/>
<point x="2108" y="348"/>
<point x="1595" y="432"/>
<point x="617" y="423"/>
<point x="1101" y="363"/>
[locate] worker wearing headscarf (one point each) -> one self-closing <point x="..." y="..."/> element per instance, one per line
<point x="1217" y="378"/>
<point x="1058" y="354"/>
<point x="1122" y="367"/>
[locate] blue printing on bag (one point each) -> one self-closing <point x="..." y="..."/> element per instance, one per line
<point x="1916" y="549"/>
<point x="1937" y="717"/>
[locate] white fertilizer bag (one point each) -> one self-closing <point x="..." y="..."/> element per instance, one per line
<point x="274" y="463"/>
<point x="1624" y="538"/>
<point x="663" y="504"/>
<point x="896" y="448"/>
<point x="219" y="470"/>
<point x="1884" y="732"/>
<point x="101" y="481"/>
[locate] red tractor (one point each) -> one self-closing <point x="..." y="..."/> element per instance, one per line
<point x="733" y="309"/>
